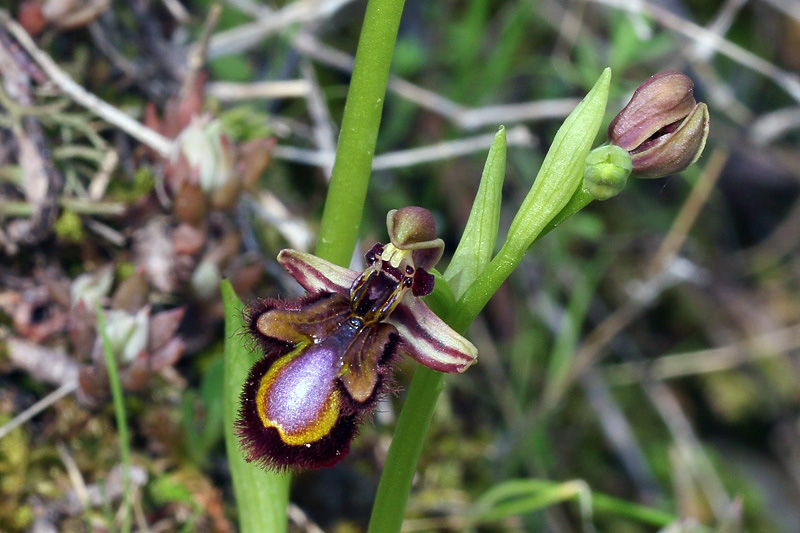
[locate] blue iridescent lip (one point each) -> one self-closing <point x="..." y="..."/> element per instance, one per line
<point x="299" y="398"/>
<point x="328" y="356"/>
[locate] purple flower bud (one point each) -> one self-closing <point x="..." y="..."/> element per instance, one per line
<point x="663" y="128"/>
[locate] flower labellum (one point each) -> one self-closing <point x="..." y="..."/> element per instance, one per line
<point x="328" y="356"/>
<point x="663" y="128"/>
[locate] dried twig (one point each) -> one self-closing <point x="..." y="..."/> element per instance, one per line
<point x="324" y="129"/>
<point x="689" y="447"/>
<point x="74" y="474"/>
<point x="294" y="229"/>
<point x="228" y="91"/>
<point x="788" y="81"/>
<point x="65" y="389"/>
<point x="245" y="36"/>
<point x="109" y="113"/>
<point x="197" y="54"/>
<point x="765" y="345"/>
<point x="775" y="124"/>
<point x="620" y="436"/>
<point x="701" y="49"/>
<point x="177" y="10"/>
<point x="519" y="136"/>
<point x="462" y="116"/>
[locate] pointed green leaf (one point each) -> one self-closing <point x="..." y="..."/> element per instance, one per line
<point x="262" y="496"/>
<point x="480" y="234"/>
<point x="563" y="167"/>
<point x="558" y="181"/>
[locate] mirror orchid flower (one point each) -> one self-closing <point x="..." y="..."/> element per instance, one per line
<point x="328" y="357"/>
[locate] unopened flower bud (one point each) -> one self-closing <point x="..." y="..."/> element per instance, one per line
<point x="413" y="228"/>
<point x="210" y="154"/>
<point x="127" y="332"/>
<point x="607" y="171"/>
<point x="663" y="128"/>
<point x="91" y="288"/>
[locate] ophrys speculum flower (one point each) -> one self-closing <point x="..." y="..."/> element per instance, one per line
<point x="328" y="356"/>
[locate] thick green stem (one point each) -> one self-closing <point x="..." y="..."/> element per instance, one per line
<point x="262" y="497"/>
<point x="362" y="117"/>
<point x="395" y="483"/>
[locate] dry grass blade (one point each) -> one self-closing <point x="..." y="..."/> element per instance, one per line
<point x="788" y="81"/>
<point x="64" y="390"/>
<point x="766" y="345"/>
<point x="103" y="109"/>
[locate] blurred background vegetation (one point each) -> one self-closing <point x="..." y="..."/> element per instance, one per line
<point x="683" y="297"/>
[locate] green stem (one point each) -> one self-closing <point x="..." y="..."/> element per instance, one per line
<point x="122" y="421"/>
<point x="395" y="483"/>
<point x="362" y="117"/>
<point x="579" y="200"/>
<point x="426" y="385"/>
<point x="262" y="496"/>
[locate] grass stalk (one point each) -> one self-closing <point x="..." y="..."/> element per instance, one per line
<point x="261" y="496"/>
<point x="122" y="421"/>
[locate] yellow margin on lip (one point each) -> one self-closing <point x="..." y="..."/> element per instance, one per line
<point x="320" y="427"/>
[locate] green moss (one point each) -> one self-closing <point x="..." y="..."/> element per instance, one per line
<point x="69" y="227"/>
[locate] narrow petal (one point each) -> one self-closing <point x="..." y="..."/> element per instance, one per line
<point x="293" y="321"/>
<point x="366" y="360"/>
<point x="316" y="274"/>
<point x="427" y="339"/>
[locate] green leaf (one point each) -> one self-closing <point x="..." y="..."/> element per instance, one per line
<point x="480" y="234"/>
<point x="557" y="185"/>
<point x="562" y="170"/>
<point x="262" y="496"/>
<point x="522" y="496"/>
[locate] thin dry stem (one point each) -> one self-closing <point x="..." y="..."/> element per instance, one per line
<point x="325" y="134"/>
<point x="462" y="116"/>
<point x="228" y="91"/>
<point x="246" y="36"/>
<point x="517" y="136"/>
<point x="763" y="346"/>
<point x="197" y="54"/>
<point x="67" y="388"/>
<point x="109" y="113"/>
<point x="788" y="81"/>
